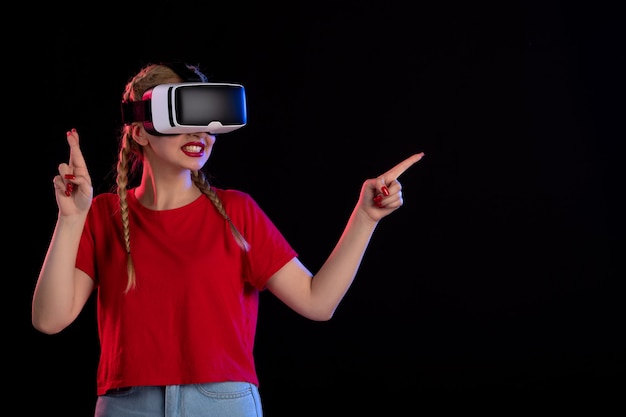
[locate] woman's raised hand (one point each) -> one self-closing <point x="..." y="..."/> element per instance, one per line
<point x="382" y="195"/>
<point x="72" y="186"/>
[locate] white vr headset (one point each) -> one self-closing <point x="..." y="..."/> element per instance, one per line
<point x="189" y="107"/>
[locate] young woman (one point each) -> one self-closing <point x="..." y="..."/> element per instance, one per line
<point x="178" y="265"/>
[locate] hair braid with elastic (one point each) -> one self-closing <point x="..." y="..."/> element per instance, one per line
<point x="131" y="154"/>
<point x="201" y="181"/>
<point x="122" y="187"/>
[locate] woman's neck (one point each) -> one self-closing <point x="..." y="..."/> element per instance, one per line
<point x="166" y="194"/>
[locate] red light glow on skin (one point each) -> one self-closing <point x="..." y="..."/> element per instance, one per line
<point x="193" y="149"/>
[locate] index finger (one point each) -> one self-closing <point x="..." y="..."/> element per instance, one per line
<point x="399" y="169"/>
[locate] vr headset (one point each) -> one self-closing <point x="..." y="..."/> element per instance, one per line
<point x="189" y="107"/>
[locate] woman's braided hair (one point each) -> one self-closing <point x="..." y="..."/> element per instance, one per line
<point x="131" y="153"/>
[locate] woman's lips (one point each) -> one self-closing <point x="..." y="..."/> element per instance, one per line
<point x="194" y="149"/>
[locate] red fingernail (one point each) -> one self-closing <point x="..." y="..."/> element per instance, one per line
<point x="69" y="187"/>
<point x="68" y="193"/>
<point x="378" y="199"/>
<point x="69" y="176"/>
<point x="385" y="190"/>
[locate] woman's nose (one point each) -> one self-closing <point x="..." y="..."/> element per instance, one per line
<point x="201" y="135"/>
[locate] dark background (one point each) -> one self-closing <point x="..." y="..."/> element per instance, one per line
<point x="497" y="286"/>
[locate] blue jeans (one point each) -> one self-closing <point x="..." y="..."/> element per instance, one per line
<point x="220" y="399"/>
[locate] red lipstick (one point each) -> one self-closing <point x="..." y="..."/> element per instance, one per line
<point x="193" y="149"/>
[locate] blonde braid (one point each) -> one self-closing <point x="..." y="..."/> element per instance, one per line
<point x="201" y="181"/>
<point x="131" y="155"/>
<point x="122" y="187"/>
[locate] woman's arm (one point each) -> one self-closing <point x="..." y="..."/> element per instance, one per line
<point x="317" y="296"/>
<point x="62" y="290"/>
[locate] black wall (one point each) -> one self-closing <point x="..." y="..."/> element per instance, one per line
<point x="499" y="283"/>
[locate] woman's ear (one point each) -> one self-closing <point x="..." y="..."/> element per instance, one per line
<point x="139" y="134"/>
